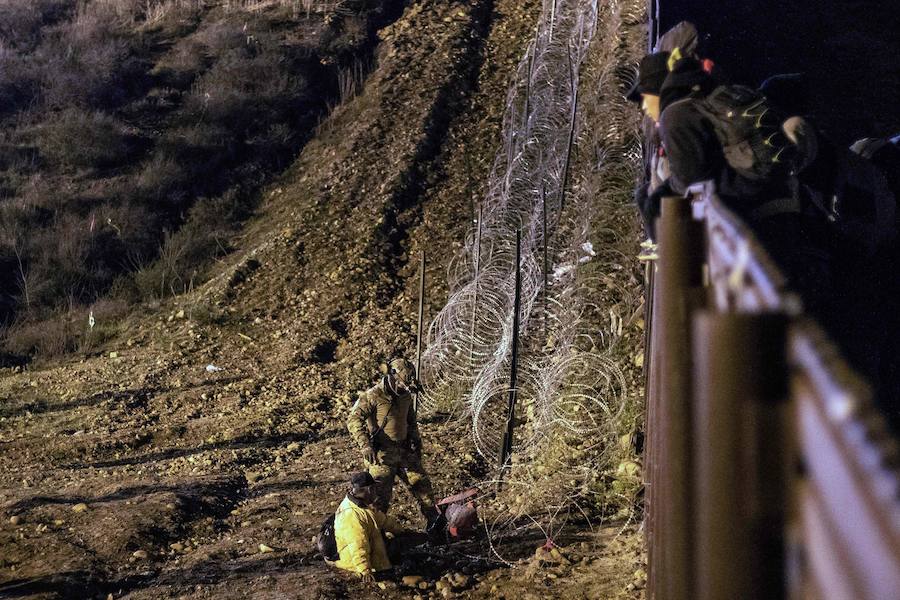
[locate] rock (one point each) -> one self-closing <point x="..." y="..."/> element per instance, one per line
<point x="177" y="547"/>
<point x="382" y="585"/>
<point x="246" y="523"/>
<point x="140" y="554"/>
<point x="114" y="355"/>
<point x="293" y="446"/>
<point x="558" y="557"/>
<point x="442" y="585"/>
<point x="412" y="580"/>
<point x="179" y="314"/>
<point x="459" y="580"/>
<point x="80" y="507"/>
<point x="263" y="549"/>
<point x="15" y="519"/>
<point x="424" y="585"/>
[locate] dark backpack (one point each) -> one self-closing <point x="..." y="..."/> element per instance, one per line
<point x="749" y="129"/>
<point x="326" y="541"/>
<point x="860" y="206"/>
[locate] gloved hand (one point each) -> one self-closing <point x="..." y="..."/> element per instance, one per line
<point x="370" y="455"/>
<point x="367" y="577"/>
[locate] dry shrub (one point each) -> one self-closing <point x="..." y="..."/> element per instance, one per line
<point x="46" y="338"/>
<point x="107" y="314"/>
<point x="187" y="59"/>
<point x="161" y="179"/>
<point x="240" y="91"/>
<point x="85" y="61"/>
<point x="185" y="255"/>
<point x="21" y="20"/>
<point x="78" y="138"/>
<point x="220" y="37"/>
<point x="67" y="330"/>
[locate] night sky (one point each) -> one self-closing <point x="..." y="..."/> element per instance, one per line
<point x="849" y="50"/>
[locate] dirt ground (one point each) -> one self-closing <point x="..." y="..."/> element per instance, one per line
<point x="196" y="455"/>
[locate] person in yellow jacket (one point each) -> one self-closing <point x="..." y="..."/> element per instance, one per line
<point x="383" y="424"/>
<point x="359" y="530"/>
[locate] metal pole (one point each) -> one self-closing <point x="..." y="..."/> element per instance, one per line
<point x="528" y="88"/>
<point x="514" y="363"/>
<point x="421" y="320"/>
<point x="552" y="20"/>
<point x="546" y="261"/>
<point x="565" y="181"/>
<point x="475" y="297"/>
<point x="653" y="441"/>
<point x="680" y="274"/>
<point x="743" y="455"/>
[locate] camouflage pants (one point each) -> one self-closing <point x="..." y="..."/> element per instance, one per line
<point x="396" y="461"/>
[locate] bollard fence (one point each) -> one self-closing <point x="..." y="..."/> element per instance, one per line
<point x="768" y="472"/>
<point x="679" y="279"/>
<point x="741" y="456"/>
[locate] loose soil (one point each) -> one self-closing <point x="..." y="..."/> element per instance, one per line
<point x="144" y="471"/>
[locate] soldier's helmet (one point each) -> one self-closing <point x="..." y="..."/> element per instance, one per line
<point x="404" y="370"/>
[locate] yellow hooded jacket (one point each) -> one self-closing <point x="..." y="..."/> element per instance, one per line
<point x="357" y="531"/>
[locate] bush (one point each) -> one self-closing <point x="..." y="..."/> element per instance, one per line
<point x="21" y="20"/>
<point x="66" y="331"/>
<point x="161" y="182"/>
<point x="18" y="86"/>
<point x="186" y="255"/>
<point x="46" y="338"/>
<point x="87" y="199"/>
<point x="182" y="64"/>
<point x="85" y="62"/>
<point x="77" y="138"/>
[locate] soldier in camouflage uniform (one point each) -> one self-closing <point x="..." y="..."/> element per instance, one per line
<point x="383" y="424"/>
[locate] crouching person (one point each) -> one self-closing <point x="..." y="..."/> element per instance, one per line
<point x="359" y="530"/>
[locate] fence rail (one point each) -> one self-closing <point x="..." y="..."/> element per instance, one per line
<point x="769" y="473"/>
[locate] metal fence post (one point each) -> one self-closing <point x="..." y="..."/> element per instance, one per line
<point x="419" y="334"/>
<point x="514" y="363"/>
<point x="475" y="297"/>
<point x="742" y="455"/>
<point x="680" y="276"/>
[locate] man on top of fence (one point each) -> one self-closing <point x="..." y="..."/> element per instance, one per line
<point x="826" y="217"/>
<point x="383" y="424"/>
<point x="734" y="136"/>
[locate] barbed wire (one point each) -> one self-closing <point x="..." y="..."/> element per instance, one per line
<point x="571" y="392"/>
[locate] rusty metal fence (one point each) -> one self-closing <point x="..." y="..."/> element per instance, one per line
<point x="768" y="472"/>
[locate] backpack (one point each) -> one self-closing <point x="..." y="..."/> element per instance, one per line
<point x="860" y="208"/>
<point x="749" y="129"/>
<point x="326" y="542"/>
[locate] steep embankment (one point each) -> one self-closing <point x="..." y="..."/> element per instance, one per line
<point x="142" y="473"/>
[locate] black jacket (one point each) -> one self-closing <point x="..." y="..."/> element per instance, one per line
<point x="693" y="149"/>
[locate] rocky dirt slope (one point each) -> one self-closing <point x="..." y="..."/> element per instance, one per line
<point x="138" y="472"/>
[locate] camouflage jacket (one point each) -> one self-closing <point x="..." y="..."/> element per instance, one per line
<point x="376" y="406"/>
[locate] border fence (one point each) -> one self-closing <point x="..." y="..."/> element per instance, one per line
<point x="769" y="473"/>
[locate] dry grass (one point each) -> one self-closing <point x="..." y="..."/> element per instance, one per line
<point x="122" y="122"/>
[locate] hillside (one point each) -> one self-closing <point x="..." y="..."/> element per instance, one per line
<point x="134" y="138"/>
<point x="138" y="469"/>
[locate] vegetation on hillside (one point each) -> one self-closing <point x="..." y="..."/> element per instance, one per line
<point x="134" y="135"/>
